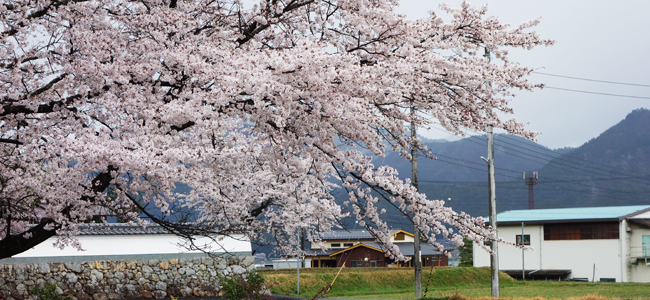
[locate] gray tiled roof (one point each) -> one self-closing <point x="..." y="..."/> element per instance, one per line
<point x="349" y="234"/>
<point x="320" y="252"/>
<point x="405" y="248"/>
<point x="120" y="229"/>
<point x="344" y="235"/>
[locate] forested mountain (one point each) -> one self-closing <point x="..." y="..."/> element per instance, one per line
<point x="611" y="169"/>
<point x="459" y="173"/>
<point x="460" y="161"/>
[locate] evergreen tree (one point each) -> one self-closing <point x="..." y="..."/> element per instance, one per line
<point x="466" y="254"/>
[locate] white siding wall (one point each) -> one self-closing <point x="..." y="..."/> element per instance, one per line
<point x="579" y="256"/>
<point x="133" y="244"/>
<point x="510" y="257"/>
<point x="634" y="239"/>
<point x="645" y="215"/>
<point x="291" y="263"/>
<point x="407" y="239"/>
<point x="340" y="242"/>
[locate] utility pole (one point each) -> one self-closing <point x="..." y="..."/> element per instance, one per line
<point x="523" y="242"/>
<point x="531" y="179"/>
<point x="300" y="261"/>
<point x="494" y="256"/>
<point x="302" y="245"/>
<point x="416" y="233"/>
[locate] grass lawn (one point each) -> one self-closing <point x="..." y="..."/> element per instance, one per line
<point x="364" y="281"/>
<point x="388" y="283"/>
<point x="547" y="290"/>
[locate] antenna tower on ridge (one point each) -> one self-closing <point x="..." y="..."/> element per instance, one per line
<point x="530" y="178"/>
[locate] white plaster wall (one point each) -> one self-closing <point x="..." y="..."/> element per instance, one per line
<point x="291" y="263"/>
<point x="407" y="239"/>
<point x="644" y="215"/>
<point x="639" y="272"/>
<point x="329" y="243"/>
<point x="510" y="257"/>
<point x="134" y="244"/>
<point x="481" y="257"/>
<point x="579" y="256"/>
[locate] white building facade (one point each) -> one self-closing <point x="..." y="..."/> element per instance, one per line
<point x="125" y="242"/>
<point x="589" y="244"/>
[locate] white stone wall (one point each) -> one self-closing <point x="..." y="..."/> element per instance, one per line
<point x="101" y="280"/>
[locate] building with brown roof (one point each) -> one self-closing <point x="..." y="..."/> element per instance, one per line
<point x="358" y="248"/>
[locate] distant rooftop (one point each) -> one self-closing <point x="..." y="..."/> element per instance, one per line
<point x="564" y="214"/>
<point x="120" y="229"/>
<point x="406" y="248"/>
<point x="350" y="234"/>
<point x="347" y="234"/>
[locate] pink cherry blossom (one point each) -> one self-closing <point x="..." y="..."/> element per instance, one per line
<point x="109" y="105"/>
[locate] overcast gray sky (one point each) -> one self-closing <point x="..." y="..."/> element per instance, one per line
<point x="599" y="39"/>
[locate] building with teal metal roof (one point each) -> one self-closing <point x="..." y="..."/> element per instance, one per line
<point x="585" y="243"/>
<point x="576" y="214"/>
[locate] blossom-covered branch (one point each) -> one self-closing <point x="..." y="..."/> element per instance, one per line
<point x="108" y="106"/>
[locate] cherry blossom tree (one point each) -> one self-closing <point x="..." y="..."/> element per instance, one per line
<point x="109" y="105"/>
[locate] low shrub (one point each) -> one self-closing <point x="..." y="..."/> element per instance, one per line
<point x="243" y="286"/>
<point x="48" y="293"/>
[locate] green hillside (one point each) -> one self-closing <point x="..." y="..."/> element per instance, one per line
<point x="611" y="169"/>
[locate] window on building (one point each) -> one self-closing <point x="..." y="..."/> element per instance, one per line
<point x="336" y="245"/>
<point x="526" y="240"/>
<point x="399" y="236"/>
<point x="581" y="231"/>
<point x="373" y="263"/>
<point x="348" y="245"/>
<point x="356" y="263"/>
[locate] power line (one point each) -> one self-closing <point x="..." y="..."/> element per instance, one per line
<point x="576" y="168"/>
<point x="469" y="182"/>
<point x="596" y="93"/>
<point x="594" y="80"/>
<point x="592" y="179"/>
<point x="559" y="181"/>
<point x="571" y="168"/>
<point x="553" y="160"/>
<point x="471" y="162"/>
<point x="560" y="157"/>
<point x="462" y="145"/>
<point x="582" y="191"/>
<point x="566" y="155"/>
<point x="469" y="167"/>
